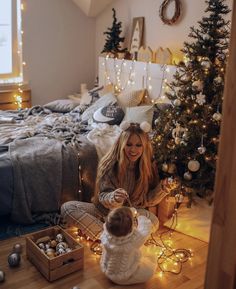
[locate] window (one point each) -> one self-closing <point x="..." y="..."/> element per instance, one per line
<point x="10" y="42"/>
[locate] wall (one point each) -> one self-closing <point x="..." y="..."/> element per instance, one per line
<point x="155" y="33"/>
<point x="58" y="48"/>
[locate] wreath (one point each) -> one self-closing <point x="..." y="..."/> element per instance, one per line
<point x="163" y="8"/>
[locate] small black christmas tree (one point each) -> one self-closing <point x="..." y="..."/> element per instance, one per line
<point x="186" y="136"/>
<point x="113" y="39"/>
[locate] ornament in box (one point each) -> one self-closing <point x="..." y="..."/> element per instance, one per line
<point x="14" y="259"/>
<point x="2" y="276"/>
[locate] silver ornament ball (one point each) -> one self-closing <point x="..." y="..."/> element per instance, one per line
<point x="14" y="259"/>
<point x="2" y="276"/>
<point x="201" y="150"/>
<point x="17" y="248"/>
<point x="177" y="102"/>
<point x="187" y="176"/>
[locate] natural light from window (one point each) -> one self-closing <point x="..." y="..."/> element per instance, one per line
<point x="10" y="42"/>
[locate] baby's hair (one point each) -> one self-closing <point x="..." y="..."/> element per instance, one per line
<point x="120" y="221"/>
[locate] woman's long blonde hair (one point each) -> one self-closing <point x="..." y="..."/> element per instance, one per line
<point x="116" y="161"/>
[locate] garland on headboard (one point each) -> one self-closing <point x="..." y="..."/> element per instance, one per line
<point x="163" y="8"/>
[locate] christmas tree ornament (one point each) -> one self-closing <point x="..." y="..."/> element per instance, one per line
<point x="14" y="259"/>
<point x="171" y="168"/>
<point x="206" y="64"/>
<point x="17" y="248"/>
<point x="201" y="150"/>
<point x="218" y="80"/>
<point x="177" y="140"/>
<point x="156" y="121"/>
<point x="164" y="167"/>
<point x="217" y="116"/>
<point x="198" y="85"/>
<point x="59" y="238"/>
<point x="2" y="276"/>
<point x="188" y="176"/>
<point x="200" y="98"/>
<point x="193" y="165"/>
<point x="177" y="102"/>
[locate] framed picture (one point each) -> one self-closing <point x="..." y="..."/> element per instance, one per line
<point x="136" y="36"/>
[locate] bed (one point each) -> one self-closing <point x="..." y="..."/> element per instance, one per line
<point x="49" y="154"/>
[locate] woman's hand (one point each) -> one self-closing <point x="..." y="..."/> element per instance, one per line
<point x="120" y="195"/>
<point x="169" y="184"/>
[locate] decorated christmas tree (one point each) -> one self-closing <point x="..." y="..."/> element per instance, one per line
<point x="186" y="135"/>
<point x="113" y="38"/>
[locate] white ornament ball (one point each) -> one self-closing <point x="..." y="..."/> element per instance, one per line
<point x="177" y="102"/>
<point x="217" y="116"/>
<point x="218" y="80"/>
<point x="2" y="276"/>
<point x="206" y="64"/>
<point x="156" y="121"/>
<point x="145" y="126"/>
<point x="187" y="176"/>
<point x="201" y="150"/>
<point x="164" y="167"/>
<point x="193" y="165"/>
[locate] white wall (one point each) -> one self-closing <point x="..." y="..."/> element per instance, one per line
<point x="156" y="33"/>
<point x="59" y="43"/>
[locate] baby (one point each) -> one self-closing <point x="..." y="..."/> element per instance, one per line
<point x="122" y="260"/>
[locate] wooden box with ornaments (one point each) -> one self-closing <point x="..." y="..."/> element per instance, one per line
<point x="54" y="253"/>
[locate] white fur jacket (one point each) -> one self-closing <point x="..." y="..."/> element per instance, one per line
<point x="121" y="255"/>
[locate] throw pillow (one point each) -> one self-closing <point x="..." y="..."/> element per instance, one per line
<point x="91" y="96"/>
<point x="101" y="102"/>
<point x="110" y="114"/>
<point x="130" y="98"/>
<point x="62" y="105"/>
<point x="139" y="114"/>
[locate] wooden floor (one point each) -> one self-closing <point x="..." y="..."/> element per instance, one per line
<point x="27" y="277"/>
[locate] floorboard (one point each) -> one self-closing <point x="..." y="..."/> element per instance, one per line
<point x="26" y="276"/>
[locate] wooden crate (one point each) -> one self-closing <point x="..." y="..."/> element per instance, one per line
<point x="59" y="266"/>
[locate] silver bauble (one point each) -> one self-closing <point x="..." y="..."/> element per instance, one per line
<point x="2" y="276"/>
<point x="201" y="150"/>
<point x="177" y="102"/>
<point x="187" y="176"/>
<point x="217" y="116"/>
<point x="14" y="259"/>
<point x="193" y="165"/>
<point x="218" y="80"/>
<point x="17" y="248"/>
<point x="206" y="64"/>
<point x="164" y="167"/>
<point x="156" y="121"/>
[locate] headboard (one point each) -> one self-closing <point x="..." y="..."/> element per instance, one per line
<point x="137" y="75"/>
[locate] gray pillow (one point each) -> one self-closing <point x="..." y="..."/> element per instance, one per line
<point x="110" y="114"/>
<point x="106" y="99"/>
<point x="61" y="105"/>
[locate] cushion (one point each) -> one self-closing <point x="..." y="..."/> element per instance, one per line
<point x="101" y="102"/>
<point x="194" y="221"/>
<point x="110" y="114"/>
<point x="139" y="114"/>
<point x="128" y="98"/>
<point x="62" y="105"/>
<point x="91" y="96"/>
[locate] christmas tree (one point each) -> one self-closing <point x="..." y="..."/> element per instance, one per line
<point x="186" y="135"/>
<point x="113" y="38"/>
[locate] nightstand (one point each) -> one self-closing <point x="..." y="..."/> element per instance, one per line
<point x="8" y="102"/>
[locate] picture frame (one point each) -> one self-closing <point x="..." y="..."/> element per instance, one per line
<point x="136" y="40"/>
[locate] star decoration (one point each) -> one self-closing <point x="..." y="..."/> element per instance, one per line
<point x="201" y="98"/>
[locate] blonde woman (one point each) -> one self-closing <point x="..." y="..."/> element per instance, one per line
<point x="127" y="176"/>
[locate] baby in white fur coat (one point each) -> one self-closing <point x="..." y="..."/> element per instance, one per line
<point x="122" y="260"/>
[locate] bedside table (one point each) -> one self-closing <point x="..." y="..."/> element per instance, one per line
<point x="7" y="100"/>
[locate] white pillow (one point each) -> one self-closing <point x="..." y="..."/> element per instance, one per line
<point x="101" y="102"/>
<point x="129" y="98"/>
<point x="139" y="114"/>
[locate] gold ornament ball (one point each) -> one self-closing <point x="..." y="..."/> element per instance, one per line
<point x="193" y="165"/>
<point x="165" y="167"/>
<point x="171" y="168"/>
<point x="217" y="116"/>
